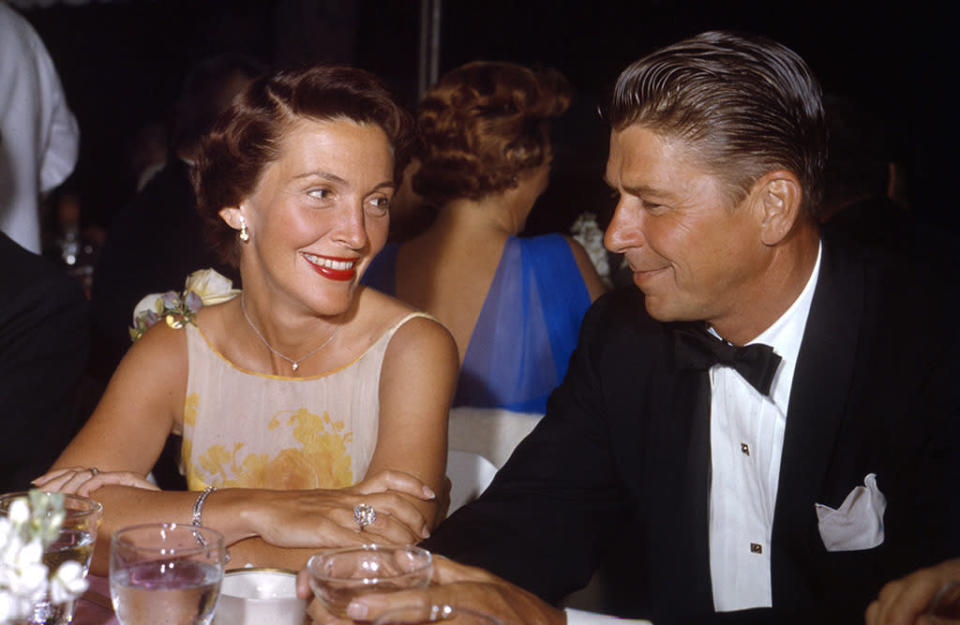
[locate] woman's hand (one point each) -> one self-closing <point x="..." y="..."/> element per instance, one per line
<point x="325" y="518"/>
<point x="84" y="481"/>
<point x="454" y="585"/>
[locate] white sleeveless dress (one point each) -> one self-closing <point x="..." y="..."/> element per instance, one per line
<point x="251" y="430"/>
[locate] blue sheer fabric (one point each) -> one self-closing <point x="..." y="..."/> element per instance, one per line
<point x="527" y="328"/>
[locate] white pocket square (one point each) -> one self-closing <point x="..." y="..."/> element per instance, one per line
<point x="858" y="523"/>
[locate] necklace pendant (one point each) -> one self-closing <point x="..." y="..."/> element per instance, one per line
<point x="295" y="366"/>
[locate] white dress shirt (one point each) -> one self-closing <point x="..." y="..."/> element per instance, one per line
<point x="579" y="617"/>
<point x="746" y="443"/>
<point x="39" y="137"/>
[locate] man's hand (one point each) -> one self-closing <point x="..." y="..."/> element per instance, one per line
<point x="453" y="585"/>
<point x="906" y="601"/>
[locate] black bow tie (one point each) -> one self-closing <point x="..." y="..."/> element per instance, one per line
<point x="698" y="349"/>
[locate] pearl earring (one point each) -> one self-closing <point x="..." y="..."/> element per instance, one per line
<point x="244" y="233"/>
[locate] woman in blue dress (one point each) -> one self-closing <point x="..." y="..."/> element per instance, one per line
<point x="513" y="304"/>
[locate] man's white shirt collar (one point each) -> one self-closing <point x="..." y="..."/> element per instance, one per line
<point x="786" y="335"/>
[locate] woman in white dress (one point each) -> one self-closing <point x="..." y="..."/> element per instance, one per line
<point x="308" y="402"/>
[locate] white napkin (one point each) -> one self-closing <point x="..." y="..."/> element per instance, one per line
<point x="858" y="523"/>
<point x="579" y="617"/>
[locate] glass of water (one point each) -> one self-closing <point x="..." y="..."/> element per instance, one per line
<point x="77" y="537"/>
<point x="166" y="573"/>
<point x="339" y="575"/>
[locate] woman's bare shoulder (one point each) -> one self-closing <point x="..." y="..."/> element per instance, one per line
<point x="153" y="370"/>
<point x="381" y="310"/>
<point x="386" y="312"/>
<point x="161" y="344"/>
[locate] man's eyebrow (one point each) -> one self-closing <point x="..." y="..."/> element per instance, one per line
<point x="632" y="190"/>
<point x="638" y="190"/>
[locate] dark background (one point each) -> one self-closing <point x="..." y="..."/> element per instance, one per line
<point x="122" y="62"/>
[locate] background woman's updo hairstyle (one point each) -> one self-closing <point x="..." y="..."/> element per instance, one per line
<point x="247" y="136"/>
<point x="482" y="125"/>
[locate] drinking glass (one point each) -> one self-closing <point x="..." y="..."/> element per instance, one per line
<point x="420" y="615"/>
<point x="166" y="573"/>
<point x="78" y="535"/>
<point x="339" y="575"/>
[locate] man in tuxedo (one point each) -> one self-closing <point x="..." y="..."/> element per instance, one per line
<point x="44" y="345"/>
<point x="766" y="422"/>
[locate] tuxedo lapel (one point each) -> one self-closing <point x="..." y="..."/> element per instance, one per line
<point x="679" y="471"/>
<point x="821" y="384"/>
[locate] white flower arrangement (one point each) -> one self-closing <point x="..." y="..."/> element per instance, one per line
<point x="587" y="232"/>
<point x="204" y="287"/>
<point x="26" y="530"/>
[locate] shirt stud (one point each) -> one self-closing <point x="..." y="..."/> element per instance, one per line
<point x="745" y="449"/>
<point x="756" y="548"/>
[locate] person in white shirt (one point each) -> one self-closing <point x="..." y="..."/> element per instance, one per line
<point x="39" y="137"/>
<point x="766" y="426"/>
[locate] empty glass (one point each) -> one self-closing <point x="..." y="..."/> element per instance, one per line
<point x="338" y="576"/>
<point x="166" y="573"/>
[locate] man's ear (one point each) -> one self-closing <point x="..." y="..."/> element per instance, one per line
<point x="779" y="194"/>
<point x="232" y="216"/>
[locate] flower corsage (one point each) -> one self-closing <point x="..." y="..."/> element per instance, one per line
<point x="204" y="287"/>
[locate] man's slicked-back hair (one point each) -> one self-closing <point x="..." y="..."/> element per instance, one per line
<point x="746" y="105"/>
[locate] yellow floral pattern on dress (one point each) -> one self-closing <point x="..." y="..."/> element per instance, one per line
<point x="321" y="461"/>
<point x="189" y="419"/>
<point x="190" y="409"/>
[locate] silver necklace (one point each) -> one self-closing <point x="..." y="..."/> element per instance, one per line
<point x="294" y="364"/>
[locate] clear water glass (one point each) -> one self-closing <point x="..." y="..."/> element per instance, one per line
<point x="339" y="575"/>
<point x="166" y="573"/>
<point x="78" y="536"/>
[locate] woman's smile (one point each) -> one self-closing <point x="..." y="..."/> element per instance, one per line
<point x="333" y="268"/>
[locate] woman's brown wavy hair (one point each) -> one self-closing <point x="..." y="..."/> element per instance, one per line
<point x="482" y="125"/>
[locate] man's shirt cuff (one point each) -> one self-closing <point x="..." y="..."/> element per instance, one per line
<point x="579" y="617"/>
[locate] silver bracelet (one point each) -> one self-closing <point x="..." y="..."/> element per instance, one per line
<point x="198" y="504"/>
<point x="198" y="517"/>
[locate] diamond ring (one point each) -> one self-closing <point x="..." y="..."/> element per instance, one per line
<point x="364" y="515"/>
<point x="440" y="612"/>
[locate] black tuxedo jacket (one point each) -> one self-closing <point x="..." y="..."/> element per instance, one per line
<point x="622" y="458"/>
<point x="44" y="345"/>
